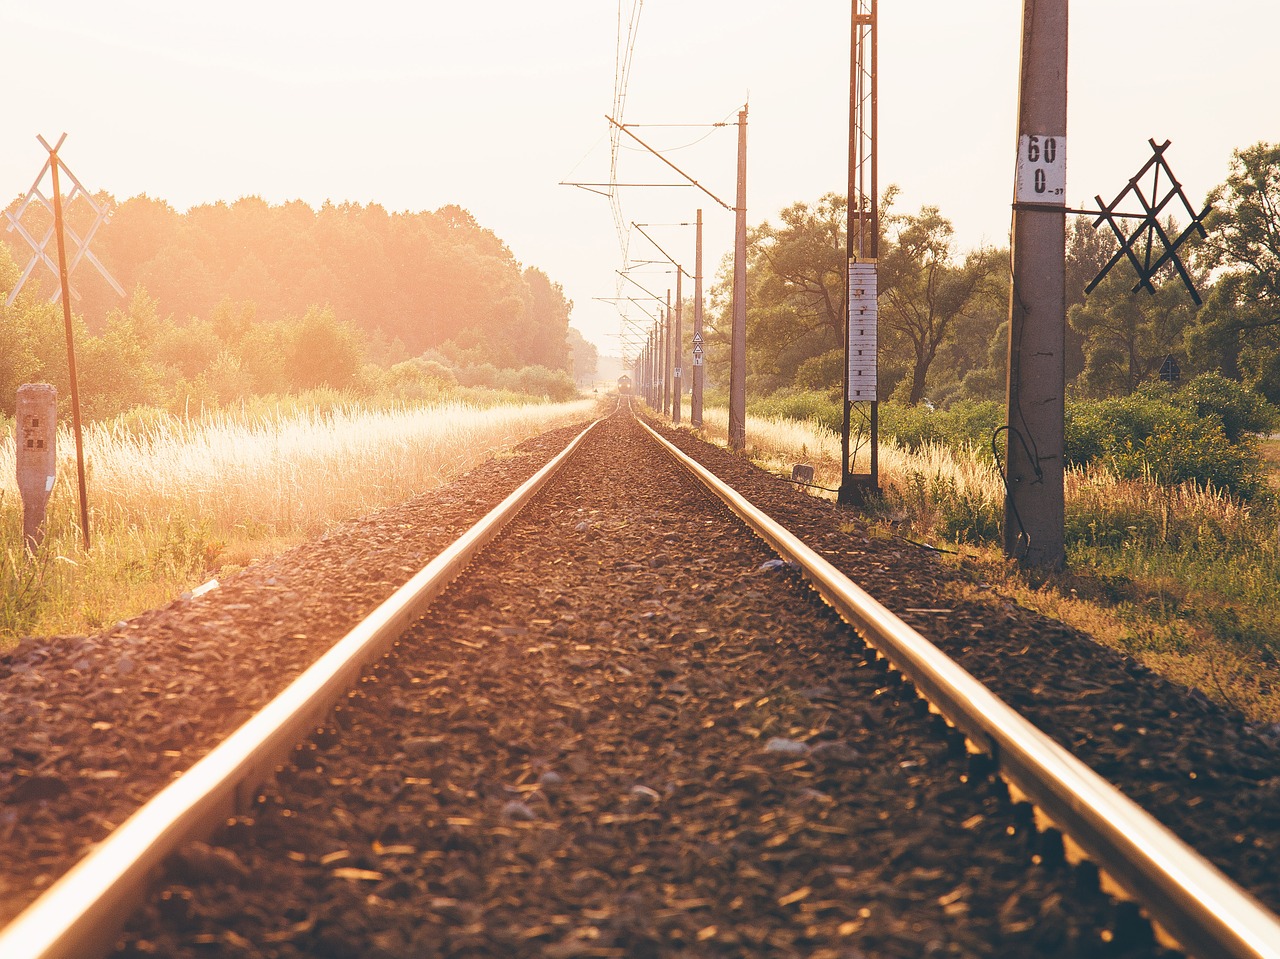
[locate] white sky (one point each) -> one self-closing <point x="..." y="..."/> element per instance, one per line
<point x="490" y="103"/>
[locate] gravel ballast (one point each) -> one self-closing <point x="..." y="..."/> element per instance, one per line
<point x="626" y="732"/>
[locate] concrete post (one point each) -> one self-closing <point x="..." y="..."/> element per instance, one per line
<point x="738" y="333"/>
<point x="37" y="456"/>
<point x="695" y="402"/>
<point x="668" y="358"/>
<point x="677" y="344"/>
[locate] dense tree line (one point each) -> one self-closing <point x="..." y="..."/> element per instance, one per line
<point x="944" y="312"/>
<point x="228" y="300"/>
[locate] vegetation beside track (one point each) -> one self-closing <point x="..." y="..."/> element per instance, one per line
<point x="174" y="502"/>
<point x="1180" y="576"/>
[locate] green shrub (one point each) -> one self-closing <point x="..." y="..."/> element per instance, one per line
<point x="802" y="406"/>
<point x="968" y="423"/>
<point x="1166" y="438"/>
<point x="555" y="385"/>
<point x="816" y="374"/>
<point x="1239" y="409"/>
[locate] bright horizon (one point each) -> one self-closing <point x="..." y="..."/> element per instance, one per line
<point x="491" y="106"/>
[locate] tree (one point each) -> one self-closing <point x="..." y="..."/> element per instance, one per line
<point x="800" y="272"/>
<point x="796" y="281"/>
<point x="1088" y="250"/>
<point x="544" y="328"/>
<point x="325" y="351"/>
<point x="1239" y="329"/>
<point x="923" y="293"/>
<point x="584" y="358"/>
<point x="1127" y="334"/>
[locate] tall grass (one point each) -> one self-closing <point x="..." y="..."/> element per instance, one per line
<point x="173" y="501"/>
<point x="1184" y="577"/>
<point x="939" y="491"/>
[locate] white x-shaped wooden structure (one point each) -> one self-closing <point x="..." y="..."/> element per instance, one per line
<point x="101" y="211"/>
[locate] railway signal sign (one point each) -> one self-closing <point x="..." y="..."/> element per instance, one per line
<point x="40" y="247"/>
<point x="1148" y="236"/>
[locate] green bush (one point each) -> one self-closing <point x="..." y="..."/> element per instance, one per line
<point x="940" y="506"/>
<point x="1171" y="438"/>
<point x="817" y="373"/>
<point x="555" y="385"/>
<point x="802" y="406"/>
<point x="1239" y="409"/>
<point x="969" y="423"/>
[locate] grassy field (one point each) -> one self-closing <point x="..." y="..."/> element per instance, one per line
<point x="174" y="502"/>
<point x="1181" y="578"/>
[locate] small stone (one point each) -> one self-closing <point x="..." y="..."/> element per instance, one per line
<point x="40" y="786"/>
<point x="550" y="778"/>
<point x="418" y="747"/>
<point x="785" y="747"/>
<point x="774" y="565"/>
<point x="835" y="752"/>
<point x="644" y="795"/>
<point x="199" y="862"/>
<point x="815" y="796"/>
<point x="583" y="526"/>
<point x="517" y="811"/>
<point x="125" y="666"/>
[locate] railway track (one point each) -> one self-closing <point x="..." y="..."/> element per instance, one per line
<point x="632" y="730"/>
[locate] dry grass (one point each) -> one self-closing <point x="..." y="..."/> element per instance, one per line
<point x="172" y="502"/>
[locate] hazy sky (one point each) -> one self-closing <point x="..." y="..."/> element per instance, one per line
<point x="490" y="104"/>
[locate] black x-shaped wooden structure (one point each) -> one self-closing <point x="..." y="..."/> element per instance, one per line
<point x="1149" y="234"/>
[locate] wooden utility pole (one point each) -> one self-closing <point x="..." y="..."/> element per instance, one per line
<point x="695" y="402"/>
<point x="738" y="333"/>
<point x="1034" y="501"/>
<point x="59" y="229"/>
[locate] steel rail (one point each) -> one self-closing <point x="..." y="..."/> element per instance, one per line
<point x="81" y="915"/>
<point x="1183" y="893"/>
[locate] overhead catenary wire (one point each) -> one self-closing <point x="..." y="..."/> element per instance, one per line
<point x="624" y="59"/>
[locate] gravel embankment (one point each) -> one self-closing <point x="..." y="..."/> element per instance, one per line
<point x="626" y="732"/>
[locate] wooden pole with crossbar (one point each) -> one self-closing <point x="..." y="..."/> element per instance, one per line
<point x="55" y="163"/>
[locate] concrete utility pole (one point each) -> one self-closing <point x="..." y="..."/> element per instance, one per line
<point x="738" y="335"/>
<point x="668" y="355"/>
<point x="650" y="370"/>
<point x="677" y="343"/>
<point x="660" y="399"/>
<point x="1034" y="510"/>
<point x="695" y="402"/>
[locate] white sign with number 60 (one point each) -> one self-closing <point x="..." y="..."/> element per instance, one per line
<point x="1042" y="170"/>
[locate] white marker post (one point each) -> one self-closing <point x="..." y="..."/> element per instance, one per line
<point x="37" y="456"/>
